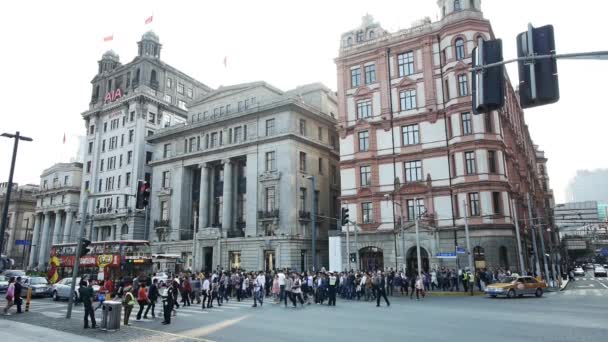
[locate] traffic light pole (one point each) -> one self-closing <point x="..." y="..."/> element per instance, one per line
<point x="593" y="55"/>
<point x="347" y="246"/>
<point x="77" y="260"/>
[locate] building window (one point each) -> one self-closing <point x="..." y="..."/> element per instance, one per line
<point x="463" y="85"/>
<point x="367" y="212"/>
<point x="320" y="133"/>
<point x="180" y="88"/>
<point x="148" y="157"/>
<point x="235" y="260"/>
<point x="446" y="89"/>
<point x="166" y="179"/>
<point x="334" y="175"/>
<point x="359" y="36"/>
<point x="302" y="204"/>
<point x="467" y="126"/>
<point x="415" y="208"/>
<point x="469" y="158"/>
<point x="366" y="175"/>
<point x="270" y="195"/>
<point x="213" y="142"/>
<point x="269" y="127"/>
<point x="151" y="117"/>
<point x="181" y="104"/>
<point x="164" y="210"/>
<point x="129" y="157"/>
<point x="457" y="6"/>
<point x="190" y="93"/>
<point x="270" y="161"/>
<point x="459" y="47"/>
<point x="132" y="116"/>
<point x="474" y="204"/>
<point x="411" y="134"/>
<point x="370" y="74"/>
<point x="168" y="98"/>
<point x="105" y="125"/>
<point x="103" y="145"/>
<point x="169" y="82"/>
<point x="456" y="206"/>
<point x="192" y="144"/>
<point x="491" y="161"/>
<point x="320" y="166"/>
<point x="131" y="135"/>
<point x="238" y="134"/>
<point x="302" y="162"/>
<point x="101" y="165"/>
<point x="407" y="99"/>
<point x="166" y="150"/>
<point x="364" y="141"/>
<point x="86" y="185"/>
<point x="496" y="203"/>
<point x="90" y="147"/>
<point x="355" y="77"/>
<point x="488" y="122"/>
<point x="98" y="189"/>
<point x="89" y="167"/>
<point x="413" y="171"/>
<point x="303" y="127"/>
<point x="128" y="179"/>
<point x="406" y="63"/>
<point x="364" y="109"/>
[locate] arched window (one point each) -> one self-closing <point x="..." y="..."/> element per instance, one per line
<point x="153" y="76"/>
<point x="371" y="34"/>
<point x="359" y="36"/>
<point x="472" y="4"/>
<point x="349" y="41"/>
<point x="479" y="255"/>
<point x="457" y="6"/>
<point x="124" y="229"/>
<point x="459" y="46"/>
<point x="503" y="257"/>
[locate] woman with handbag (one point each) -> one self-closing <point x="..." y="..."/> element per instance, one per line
<point x="10" y="295"/>
<point x="142" y="300"/>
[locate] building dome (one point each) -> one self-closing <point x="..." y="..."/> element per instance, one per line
<point x="110" y="54"/>
<point x="150" y="35"/>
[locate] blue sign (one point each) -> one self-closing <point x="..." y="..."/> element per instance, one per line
<point x="460" y="250"/>
<point x="446" y="255"/>
<point x="23" y="242"/>
<point x="604" y="251"/>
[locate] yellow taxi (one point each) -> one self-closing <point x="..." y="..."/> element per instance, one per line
<point x="516" y="286"/>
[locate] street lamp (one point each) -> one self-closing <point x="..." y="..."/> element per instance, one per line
<point x="313" y="219"/>
<point x="7" y="199"/>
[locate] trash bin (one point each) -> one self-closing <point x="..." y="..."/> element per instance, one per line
<point x="111" y="315"/>
<point x="104" y="316"/>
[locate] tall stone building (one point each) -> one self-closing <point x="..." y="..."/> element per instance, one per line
<point x="128" y="103"/>
<point x="409" y="143"/>
<point x="20" y="222"/>
<point x="56" y="210"/>
<point x="236" y="177"/>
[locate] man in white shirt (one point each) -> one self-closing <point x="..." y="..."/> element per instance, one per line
<point x="206" y="292"/>
<point x="281" y="285"/>
<point x="258" y="289"/>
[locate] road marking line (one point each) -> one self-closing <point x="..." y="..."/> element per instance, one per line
<point x="214" y="327"/>
<point x="170" y="334"/>
<point x="604" y="285"/>
<point x="52" y="314"/>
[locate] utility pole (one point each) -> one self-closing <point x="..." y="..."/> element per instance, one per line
<point x="7" y="198"/>
<point x="417" y="243"/>
<point x="78" y="250"/>
<point x="541" y="231"/>
<point x="533" y="231"/>
<point x="347" y="246"/>
<point x="469" y="252"/>
<point x="356" y="247"/>
<point x="520" y="256"/>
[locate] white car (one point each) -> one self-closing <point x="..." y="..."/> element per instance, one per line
<point x="599" y="271"/>
<point x="579" y="271"/>
<point x="61" y="289"/>
<point x="161" y="276"/>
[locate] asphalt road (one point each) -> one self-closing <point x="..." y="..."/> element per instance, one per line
<point x="576" y="314"/>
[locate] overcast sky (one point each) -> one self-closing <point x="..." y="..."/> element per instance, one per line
<point x="50" y="51"/>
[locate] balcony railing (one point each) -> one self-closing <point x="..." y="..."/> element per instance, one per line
<point x="266" y="214"/>
<point x="161" y="223"/>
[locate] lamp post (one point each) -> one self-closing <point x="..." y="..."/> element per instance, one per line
<point x="313" y="219"/>
<point x="7" y="198"/>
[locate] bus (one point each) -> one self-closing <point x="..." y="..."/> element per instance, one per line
<point x="106" y="259"/>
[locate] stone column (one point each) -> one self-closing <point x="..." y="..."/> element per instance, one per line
<point x="203" y="204"/>
<point x="227" y="197"/>
<point x="57" y="229"/>
<point x="35" y="241"/>
<point x="44" y="241"/>
<point x="98" y="234"/>
<point x="114" y="229"/>
<point x="67" y="229"/>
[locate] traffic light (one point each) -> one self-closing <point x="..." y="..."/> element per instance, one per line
<point x="538" y="83"/>
<point x="143" y="194"/>
<point x="344" y="216"/>
<point x="84" y="250"/>
<point x="353" y="257"/>
<point x="489" y="83"/>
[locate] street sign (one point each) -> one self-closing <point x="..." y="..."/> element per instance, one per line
<point x="460" y="250"/>
<point x="446" y="255"/>
<point x="23" y="242"/>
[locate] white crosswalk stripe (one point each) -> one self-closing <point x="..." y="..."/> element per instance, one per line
<point x="585" y="292"/>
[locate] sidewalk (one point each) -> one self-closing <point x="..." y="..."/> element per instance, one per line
<point x="22" y="332"/>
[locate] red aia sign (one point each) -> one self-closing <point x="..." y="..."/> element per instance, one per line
<point x="112" y="96"/>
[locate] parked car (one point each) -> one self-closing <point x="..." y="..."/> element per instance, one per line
<point x="160" y="276"/>
<point x="599" y="271"/>
<point x="3" y="283"/>
<point x="14" y="273"/>
<point x="579" y="271"/>
<point x="39" y="285"/>
<point x="589" y="266"/>
<point x="516" y="286"/>
<point x="61" y="289"/>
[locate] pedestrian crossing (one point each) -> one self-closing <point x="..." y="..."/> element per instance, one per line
<point x="585" y="292"/>
<point x="603" y="279"/>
